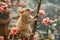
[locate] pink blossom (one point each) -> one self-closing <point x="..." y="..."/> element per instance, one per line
<point x="1" y="38"/>
<point x="42" y="12"/>
<point x="1" y="9"/>
<point x="21" y="3"/>
<point x="46" y="21"/>
<point x="55" y="29"/>
<point x="14" y="31"/>
<point x="5" y="7"/>
<point x="52" y="36"/>
<point x="0" y="3"/>
<point x="7" y="1"/>
<point x="35" y="37"/>
<point x="12" y="4"/>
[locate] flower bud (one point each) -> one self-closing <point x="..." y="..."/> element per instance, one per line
<point x="42" y="12"/>
<point x="21" y="3"/>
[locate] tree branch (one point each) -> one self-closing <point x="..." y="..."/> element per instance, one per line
<point x="35" y="23"/>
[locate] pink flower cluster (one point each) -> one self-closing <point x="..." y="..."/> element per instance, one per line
<point x="12" y="4"/>
<point x="2" y="8"/>
<point x="1" y="38"/>
<point x="46" y="21"/>
<point x="35" y="37"/>
<point x="0" y="3"/>
<point x="7" y="1"/>
<point x="14" y="31"/>
<point x="21" y="3"/>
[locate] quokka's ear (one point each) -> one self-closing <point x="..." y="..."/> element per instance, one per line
<point x="21" y="11"/>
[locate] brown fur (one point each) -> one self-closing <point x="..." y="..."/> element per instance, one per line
<point x="24" y="24"/>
